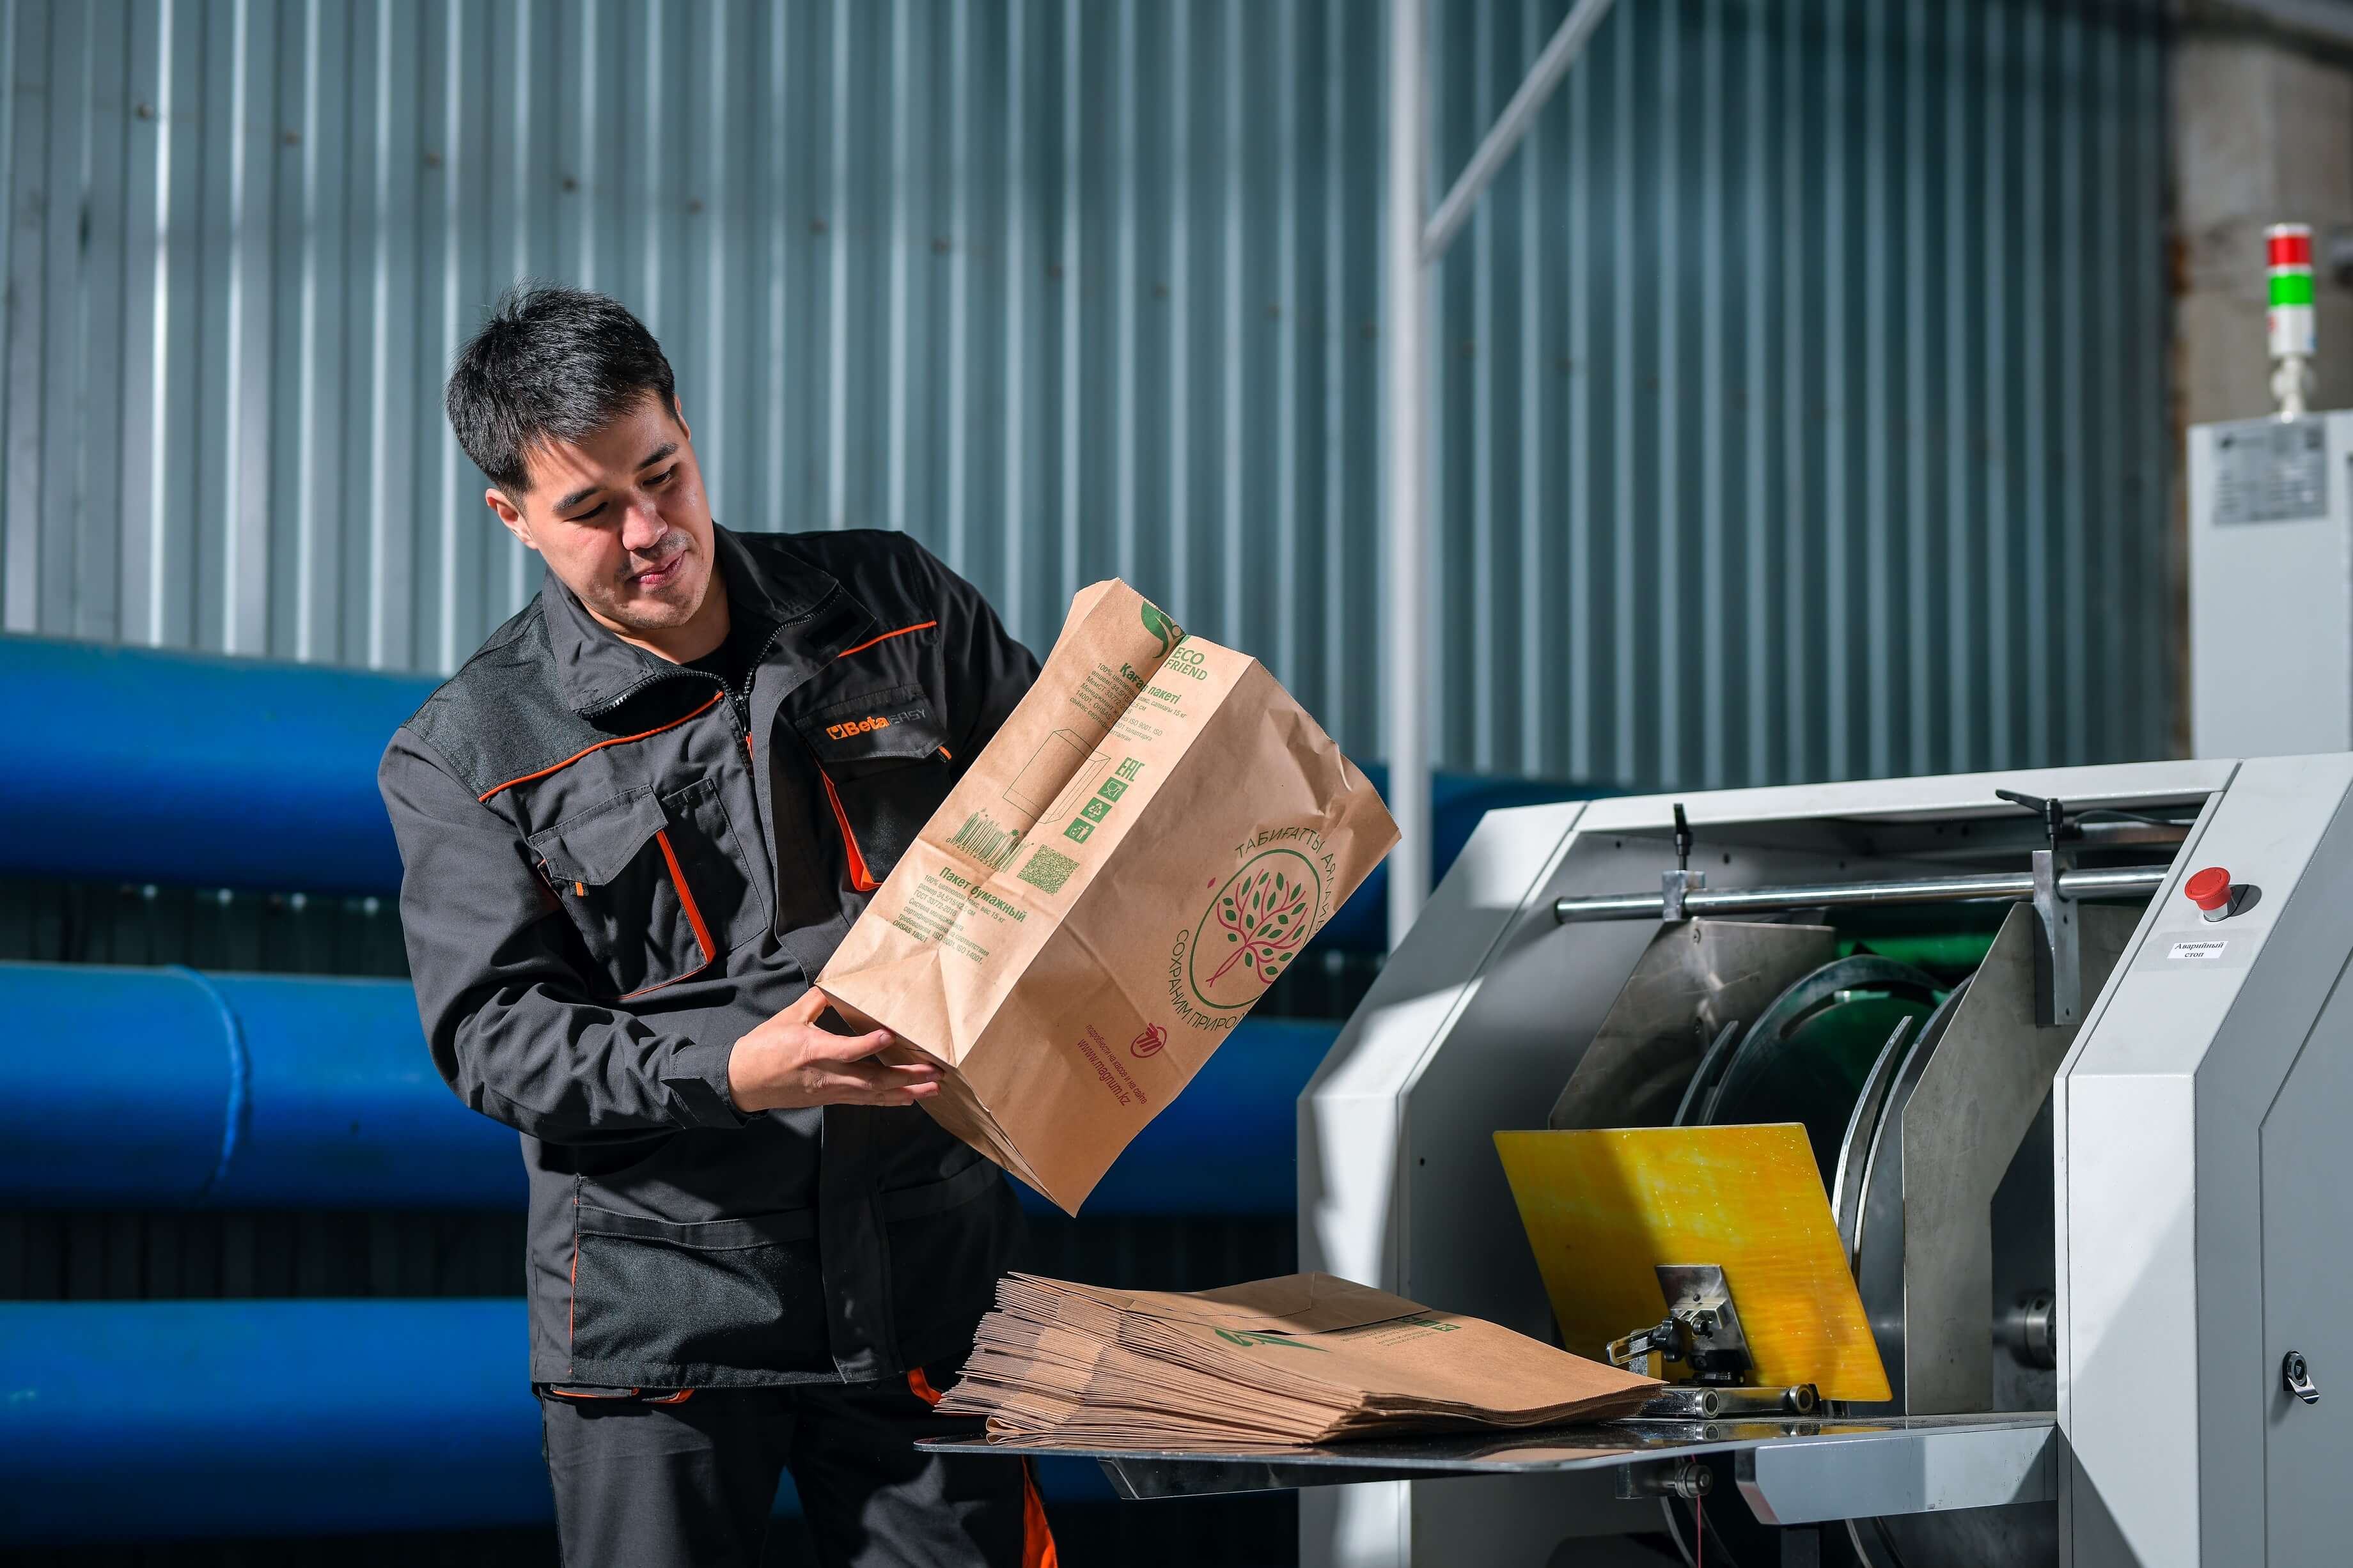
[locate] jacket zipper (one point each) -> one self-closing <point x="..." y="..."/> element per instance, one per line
<point x="861" y="878"/>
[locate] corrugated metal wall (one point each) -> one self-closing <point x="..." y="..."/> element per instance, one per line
<point x="1804" y="408"/>
<point x="1802" y="400"/>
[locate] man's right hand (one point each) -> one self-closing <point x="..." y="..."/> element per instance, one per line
<point x="789" y="1062"/>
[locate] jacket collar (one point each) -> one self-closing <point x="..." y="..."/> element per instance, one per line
<point x="597" y="670"/>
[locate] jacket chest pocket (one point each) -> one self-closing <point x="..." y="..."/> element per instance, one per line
<point x="883" y="769"/>
<point x="656" y="883"/>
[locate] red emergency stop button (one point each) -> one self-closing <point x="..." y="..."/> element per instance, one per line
<point x="2210" y="890"/>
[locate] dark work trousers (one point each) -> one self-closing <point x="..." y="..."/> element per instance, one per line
<point x="641" y="1482"/>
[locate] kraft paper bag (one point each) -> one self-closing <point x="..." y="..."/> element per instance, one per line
<point x="1146" y="845"/>
<point x="1304" y="1359"/>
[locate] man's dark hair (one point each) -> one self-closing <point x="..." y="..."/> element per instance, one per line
<point x="550" y="364"/>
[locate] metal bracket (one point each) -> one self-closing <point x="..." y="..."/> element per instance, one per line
<point x="2295" y="1377"/>
<point x="2058" y="966"/>
<point x="2059" y="962"/>
<point x="1838" y="1478"/>
<point x="1701" y="1328"/>
<point x="1674" y="884"/>
<point x="1663" y="1339"/>
<point x="1684" y="1478"/>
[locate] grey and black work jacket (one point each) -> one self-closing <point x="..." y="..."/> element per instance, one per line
<point x="614" y="868"/>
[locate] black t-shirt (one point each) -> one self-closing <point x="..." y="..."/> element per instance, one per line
<point x="731" y="662"/>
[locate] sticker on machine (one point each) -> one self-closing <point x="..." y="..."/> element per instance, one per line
<point x="2180" y="952"/>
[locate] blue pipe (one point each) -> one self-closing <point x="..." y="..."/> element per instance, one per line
<point x="175" y="1420"/>
<point x="139" y="766"/>
<point x="128" y="1420"/>
<point x="169" y="1089"/>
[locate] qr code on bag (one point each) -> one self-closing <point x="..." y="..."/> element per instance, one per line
<point x="1048" y="869"/>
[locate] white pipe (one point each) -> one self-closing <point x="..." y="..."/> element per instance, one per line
<point x="1567" y="42"/>
<point x="2323" y="21"/>
<point x="1404" y="301"/>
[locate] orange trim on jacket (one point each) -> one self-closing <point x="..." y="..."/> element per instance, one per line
<point x="616" y="740"/>
<point x="859" y="876"/>
<point x="686" y="898"/>
<point x="681" y="1397"/>
<point x="886" y="636"/>
<point x="1037" y="1536"/>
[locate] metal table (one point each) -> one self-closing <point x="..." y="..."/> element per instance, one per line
<point x="1790" y="1471"/>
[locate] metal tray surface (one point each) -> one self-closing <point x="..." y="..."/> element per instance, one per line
<point x="1790" y="1470"/>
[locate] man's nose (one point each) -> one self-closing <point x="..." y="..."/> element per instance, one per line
<point x="642" y="528"/>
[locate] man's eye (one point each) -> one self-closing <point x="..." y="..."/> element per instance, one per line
<point x="590" y="515"/>
<point x="658" y="480"/>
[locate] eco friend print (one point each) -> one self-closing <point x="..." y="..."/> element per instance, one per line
<point x="1267" y="912"/>
<point x="1157" y="622"/>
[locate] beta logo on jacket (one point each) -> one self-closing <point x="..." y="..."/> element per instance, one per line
<point x="866" y="724"/>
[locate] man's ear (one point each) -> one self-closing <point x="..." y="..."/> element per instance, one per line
<point x="510" y="515"/>
<point x="678" y="409"/>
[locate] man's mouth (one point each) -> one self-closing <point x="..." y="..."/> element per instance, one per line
<point x="659" y="576"/>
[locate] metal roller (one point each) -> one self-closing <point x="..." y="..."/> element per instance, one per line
<point x="1808" y="1058"/>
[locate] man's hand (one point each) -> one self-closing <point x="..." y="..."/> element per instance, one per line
<point x="789" y="1062"/>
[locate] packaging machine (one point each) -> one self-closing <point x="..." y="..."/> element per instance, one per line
<point x="2070" y="1050"/>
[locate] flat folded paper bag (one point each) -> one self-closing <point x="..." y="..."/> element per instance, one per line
<point x="1144" y="847"/>
<point x="1292" y="1304"/>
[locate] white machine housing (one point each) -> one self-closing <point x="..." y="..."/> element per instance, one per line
<point x="2270" y="586"/>
<point x="2201" y="1121"/>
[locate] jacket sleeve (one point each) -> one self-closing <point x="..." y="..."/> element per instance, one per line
<point x="989" y="672"/>
<point x="507" y="1012"/>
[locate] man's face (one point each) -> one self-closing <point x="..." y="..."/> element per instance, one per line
<point x="621" y="520"/>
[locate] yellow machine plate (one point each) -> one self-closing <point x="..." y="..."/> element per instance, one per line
<point x="1603" y="1209"/>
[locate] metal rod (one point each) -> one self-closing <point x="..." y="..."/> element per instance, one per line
<point x="2133" y="880"/>
<point x="1698" y="1402"/>
<point x="1405" y="303"/>
<point x="1511" y="126"/>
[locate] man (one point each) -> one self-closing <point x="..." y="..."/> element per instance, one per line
<point x="634" y="827"/>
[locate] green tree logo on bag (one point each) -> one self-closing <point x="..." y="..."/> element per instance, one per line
<point x="1254" y="926"/>
<point x="1157" y="622"/>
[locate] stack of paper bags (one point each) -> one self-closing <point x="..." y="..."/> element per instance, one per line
<point x="1275" y="1363"/>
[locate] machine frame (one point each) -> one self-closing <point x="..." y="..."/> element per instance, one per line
<point x="2191" y="1096"/>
